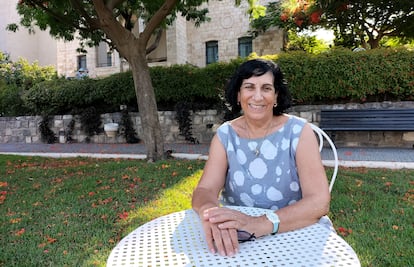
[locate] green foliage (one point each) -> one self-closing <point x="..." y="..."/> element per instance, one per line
<point x="182" y="115"/>
<point x="65" y="19"/>
<point x="360" y="19"/>
<point x="117" y="89"/>
<point x="24" y="74"/>
<point x="15" y="79"/>
<point x="354" y="22"/>
<point x="46" y="134"/>
<point x="127" y="128"/>
<point x="11" y="103"/>
<point x="305" y="42"/>
<point x="90" y="121"/>
<point x="343" y="76"/>
<point x="338" y="75"/>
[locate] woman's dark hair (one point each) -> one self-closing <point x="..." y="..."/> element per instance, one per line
<point x="258" y="67"/>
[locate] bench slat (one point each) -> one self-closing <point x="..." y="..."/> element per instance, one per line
<point x="368" y="120"/>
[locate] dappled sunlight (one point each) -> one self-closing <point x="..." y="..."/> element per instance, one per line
<point x="74" y="212"/>
<point x="175" y="198"/>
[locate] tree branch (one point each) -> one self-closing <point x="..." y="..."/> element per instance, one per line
<point x="111" y="4"/>
<point x="156" y="42"/>
<point x="93" y="23"/>
<point x="156" y="19"/>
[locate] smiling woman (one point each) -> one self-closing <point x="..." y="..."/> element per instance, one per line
<point x="264" y="159"/>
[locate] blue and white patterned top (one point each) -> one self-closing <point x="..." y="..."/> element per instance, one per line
<point x="268" y="180"/>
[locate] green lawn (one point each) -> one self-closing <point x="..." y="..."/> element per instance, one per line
<point x="72" y="212"/>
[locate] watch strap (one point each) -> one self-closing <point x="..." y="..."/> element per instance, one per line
<point x="274" y="218"/>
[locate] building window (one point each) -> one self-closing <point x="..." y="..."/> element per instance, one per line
<point x="109" y="58"/>
<point x="103" y="56"/>
<point x="245" y="46"/>
<point x="82" y="62"/>
<point x="211" y="52"/>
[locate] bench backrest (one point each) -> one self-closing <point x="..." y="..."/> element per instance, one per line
<point x="367" y="120"/>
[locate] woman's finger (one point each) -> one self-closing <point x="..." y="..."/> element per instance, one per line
<point x="209" y="237"/>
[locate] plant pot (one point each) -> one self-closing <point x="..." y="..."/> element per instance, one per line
<point x="111" y="129"/>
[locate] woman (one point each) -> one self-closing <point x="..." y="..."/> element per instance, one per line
<point x="264" y="158"/>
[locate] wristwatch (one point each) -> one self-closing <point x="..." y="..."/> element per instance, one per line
<point x="272" y="216"/>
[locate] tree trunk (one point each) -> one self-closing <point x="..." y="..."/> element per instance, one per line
<point x="374" y="43"/>
<point x="147" y="106"/>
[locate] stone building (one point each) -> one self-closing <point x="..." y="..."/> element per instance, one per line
<point x="224" y="38"/>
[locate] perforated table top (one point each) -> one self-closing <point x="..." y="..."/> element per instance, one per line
<point x="178" y="240"/>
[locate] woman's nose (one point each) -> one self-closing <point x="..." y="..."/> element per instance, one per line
<point x="258" y="94"/>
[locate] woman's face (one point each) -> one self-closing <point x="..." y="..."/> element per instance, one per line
<point x="257" y="96"/>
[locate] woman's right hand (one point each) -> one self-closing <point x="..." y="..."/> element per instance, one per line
<point x="224" y="241"/>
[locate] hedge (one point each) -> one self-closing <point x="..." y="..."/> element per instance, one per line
<point x="342" y="75"/>
<point x="332" y="77"/>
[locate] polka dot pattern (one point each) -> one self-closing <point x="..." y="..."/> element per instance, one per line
<point x="269" y="180"/>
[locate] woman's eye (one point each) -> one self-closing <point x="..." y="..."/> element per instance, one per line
<point x="248" y="87"/>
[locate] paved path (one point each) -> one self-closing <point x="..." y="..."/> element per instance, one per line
<point x="394" y="158"/>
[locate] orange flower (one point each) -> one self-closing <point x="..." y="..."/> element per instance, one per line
<point x="315" y="17"/>
<point x="299" y="22"/>
<point x="284" y="17"/>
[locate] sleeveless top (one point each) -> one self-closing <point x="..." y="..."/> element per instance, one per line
<point x="270" y="179"/>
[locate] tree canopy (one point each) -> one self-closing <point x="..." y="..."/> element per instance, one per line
<point x="116" y="22"/>
<point x="354" y="22"/>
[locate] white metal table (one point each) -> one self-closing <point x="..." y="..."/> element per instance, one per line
<point x="177" y="239"/>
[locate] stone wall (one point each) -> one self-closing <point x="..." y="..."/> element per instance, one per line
<point x="25" y="129"/>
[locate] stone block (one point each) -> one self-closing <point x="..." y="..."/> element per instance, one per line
<point x="26" y="132"/>
<point x="58" y="124"/>
<point x="307" y="116"/>
<point x="197" y="120"/>
<point x="376" y="136"/>
<point x="408" y="136"/>
<point x="67" y="117"/>
<point x="392" y="138"/>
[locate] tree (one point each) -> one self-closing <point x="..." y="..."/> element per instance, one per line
<point x="114" y="21"/>
<point x="354" y="22"/>
<point x="289" y="15"/>
<point x="367" y="22"/>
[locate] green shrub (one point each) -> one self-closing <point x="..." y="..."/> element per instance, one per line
<point x="343" y="75"/>
<point x="335" y="76"/>
<point x="15" y="79"/>
<point x="11" y="103"/>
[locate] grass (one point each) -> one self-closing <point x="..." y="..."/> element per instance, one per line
<point x="72" y="212"/>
